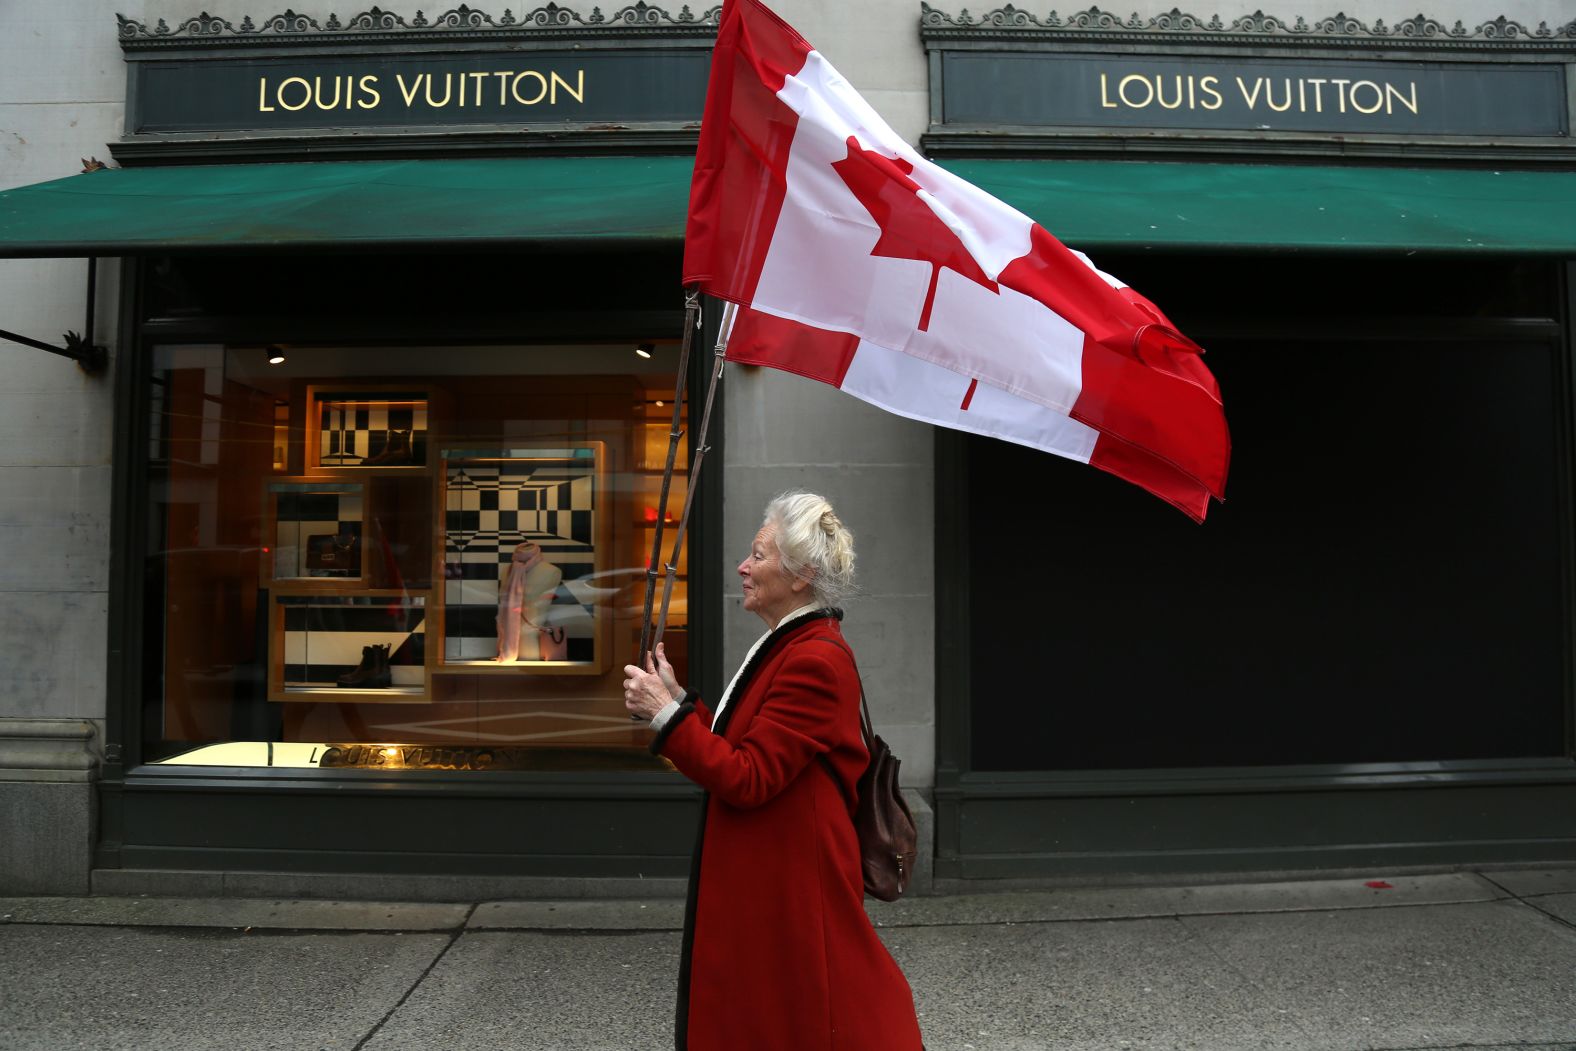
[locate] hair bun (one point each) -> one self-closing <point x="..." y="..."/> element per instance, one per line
<point x="829" y="522"/>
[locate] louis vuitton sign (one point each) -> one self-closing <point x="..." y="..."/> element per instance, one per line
<point x="1210" y="93"/>
<point x="419" y="90"/>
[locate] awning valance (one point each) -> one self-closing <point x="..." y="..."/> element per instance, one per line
<point x="586" y="201"/>
<point x="373" y="204"/>
<point x="1277" y="207"/>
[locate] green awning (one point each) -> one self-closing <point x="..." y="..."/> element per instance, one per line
<point x="519" y="201"/>
<point x="1263" y="207"/>
<point x="376" y="204"/>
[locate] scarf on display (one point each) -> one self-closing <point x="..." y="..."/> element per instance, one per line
<point x="511" y="604"/>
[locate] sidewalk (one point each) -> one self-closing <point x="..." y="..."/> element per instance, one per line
<point x="1481" y="960"/>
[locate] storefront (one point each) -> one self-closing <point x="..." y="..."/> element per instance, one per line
<point x="390" y="431"/>
<point x="1364" y="656"/>
<point x="355" y="401"/>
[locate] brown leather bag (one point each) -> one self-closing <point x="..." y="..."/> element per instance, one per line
<point x="888" y="840"/>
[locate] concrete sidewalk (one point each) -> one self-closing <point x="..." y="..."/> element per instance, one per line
<point x="1482" y="960"/>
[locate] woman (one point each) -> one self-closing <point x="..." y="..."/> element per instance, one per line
<point x="778" y="952"/>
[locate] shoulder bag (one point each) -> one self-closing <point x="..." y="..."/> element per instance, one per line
<point x="888" y="840"/>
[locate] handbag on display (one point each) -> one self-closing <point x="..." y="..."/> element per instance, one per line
<point x="888" y="840"/>
<point x="333" y="551"/>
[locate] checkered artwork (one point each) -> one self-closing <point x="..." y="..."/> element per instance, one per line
<point x="324" y="636"/>
<point x="493" y="504"/>
<point x="385" y="430"/>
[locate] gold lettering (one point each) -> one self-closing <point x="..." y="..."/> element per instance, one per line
<point x="262" y="96"/>
<point x="1253" y="99"/>
<point x="368" y="87"/>
<point x="476" y="91"/>
<point x="515" y="88"/>
<point x="1318" y="93"/>
<point x="1392" y="94"/>
<point x="1105" y="96"/>
<point x="1378" y="97"/>
<point x="503" y="86"/>
<point x="1121" y="91"/>
<point x="1340" y="93"/>
<point x="1269" y="96"/>
<point x="410" y="96"/>
<point x="579" y="91"/>
<point x="1209" y="84"/>
<point x="317" y="93"/>
<point x="447" y="89"/>
<point x="1160" y="93"/>
<point x="306" y="99"/>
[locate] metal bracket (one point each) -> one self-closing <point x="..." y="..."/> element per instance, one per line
<point x="89" y="356"/>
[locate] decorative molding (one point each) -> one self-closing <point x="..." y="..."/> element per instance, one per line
<point x="1014" y="23"/>
<point x="463" y="22"/>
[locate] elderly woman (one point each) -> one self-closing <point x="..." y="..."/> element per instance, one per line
<point x="778" y="952"/>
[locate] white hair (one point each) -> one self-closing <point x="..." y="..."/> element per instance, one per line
<point x="814" y="544"/>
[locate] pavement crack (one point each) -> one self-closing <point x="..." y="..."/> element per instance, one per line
<point x="1529" y="902"/>
<point x="454" y="936"/>
<point x="1260" y="994"/>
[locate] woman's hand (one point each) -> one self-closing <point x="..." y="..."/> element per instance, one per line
<point x="647" y="691"/>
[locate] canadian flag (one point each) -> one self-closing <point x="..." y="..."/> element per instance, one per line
<point x="859" y="263"/>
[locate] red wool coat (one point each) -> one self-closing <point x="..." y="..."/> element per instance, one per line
<point x="778" y="952"/>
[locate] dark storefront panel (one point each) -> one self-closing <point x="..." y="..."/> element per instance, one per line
<point x="1381" y="585"/>
<point x="1381" y="604"/>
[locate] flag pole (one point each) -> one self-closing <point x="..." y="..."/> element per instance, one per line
<point x="675" y="432"/>
<point x="701" y="448"/>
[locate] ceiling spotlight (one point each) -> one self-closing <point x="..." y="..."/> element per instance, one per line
<point x="644" y="349"/>
<point x="659" y="403"/>
<point x="276" y="355"/>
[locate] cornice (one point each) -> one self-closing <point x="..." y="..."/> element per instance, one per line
<point x="377" y="25"/>
<point x="1011" y="23"/>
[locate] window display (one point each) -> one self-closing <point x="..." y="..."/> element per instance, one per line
<point x="317" y="529"/>
<point x="403" y="552"/>
<point x="521" y="532"/>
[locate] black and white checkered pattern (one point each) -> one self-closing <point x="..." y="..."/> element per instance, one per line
<point x="355" y="428"/>
<point x="490" y="508"/>
<point x="324" y="636"/>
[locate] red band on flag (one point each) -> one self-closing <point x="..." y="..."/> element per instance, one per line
<point x="815" y="353"/>
<point x="969" y="396"/>
<point x="737" y="189"/>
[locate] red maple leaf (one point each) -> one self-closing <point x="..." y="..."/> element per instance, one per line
<point x="909" y="229"/>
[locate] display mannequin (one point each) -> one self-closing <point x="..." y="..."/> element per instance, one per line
<point x="525" y="596"/>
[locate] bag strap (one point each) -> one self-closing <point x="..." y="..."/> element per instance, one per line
<point x="865" y="723"/>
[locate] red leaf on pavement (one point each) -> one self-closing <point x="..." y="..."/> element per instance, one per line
<point x="909" y="229"/>
<point x="1379" y="884"/>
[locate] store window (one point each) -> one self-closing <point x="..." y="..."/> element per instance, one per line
<point x="1383" y="583"/>
<point x="404" y="557"/>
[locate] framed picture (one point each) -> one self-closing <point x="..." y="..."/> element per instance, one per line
<point x="368" y="646"/>
<point x="523" y="540"/>
<point x="318" y="530"/>
<point x="367" y="427"/>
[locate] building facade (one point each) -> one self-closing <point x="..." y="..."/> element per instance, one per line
<point x="350" y="621"/>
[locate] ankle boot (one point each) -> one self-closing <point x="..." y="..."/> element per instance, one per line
<point x="381" y="678"/>
<point x="396" y="451"/>
<point x="368" y="662"/>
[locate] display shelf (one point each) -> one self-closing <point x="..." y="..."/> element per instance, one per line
<point x="316" y="532"/>
<point x="368" y="646"/>
<point x="367" y="427"/>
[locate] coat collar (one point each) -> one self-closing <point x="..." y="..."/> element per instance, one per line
<point x="773" y="640"/>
